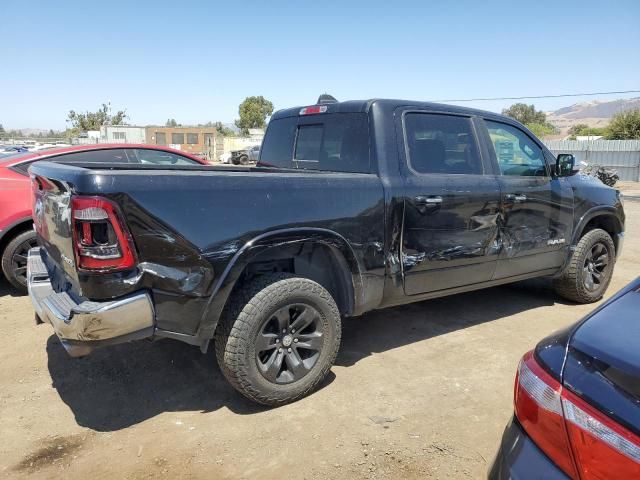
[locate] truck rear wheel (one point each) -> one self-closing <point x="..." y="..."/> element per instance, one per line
<point x="586" y="278"/>
<point x="278" y="338"/>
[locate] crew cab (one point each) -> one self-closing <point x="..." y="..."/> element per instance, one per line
<point x="352" y="206"/>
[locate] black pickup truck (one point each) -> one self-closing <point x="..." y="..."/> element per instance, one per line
<point x="353" y="206"/>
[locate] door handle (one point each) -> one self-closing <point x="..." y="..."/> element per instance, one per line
<point x="425" y="200"/>
<point x="515" y="197"/>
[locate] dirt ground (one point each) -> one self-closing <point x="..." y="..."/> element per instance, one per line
<point x="421" y="391"/>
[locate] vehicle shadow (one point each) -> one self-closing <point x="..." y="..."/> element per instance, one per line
<point x="383" y="330"/>
<point x="7" y="290"/>
<point x="119" y="386"/>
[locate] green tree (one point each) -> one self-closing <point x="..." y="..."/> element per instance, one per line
<point x="222" y="130"/>
<point x="541" y="129"/>
<point x="584" y="129"/>
<point x="171" y="123"/>
<point x="526" y="114"/>
<point x="577" y="129"/>
<point x="624" y="126"/>
<point x="253" y="113"/>
<point x="94" y="120"/>
<point x="2" y="131"/>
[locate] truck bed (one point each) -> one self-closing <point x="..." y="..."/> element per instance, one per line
<point x="188" y="223"/>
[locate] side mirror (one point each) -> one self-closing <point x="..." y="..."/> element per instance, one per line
<point x="565" y="165"/>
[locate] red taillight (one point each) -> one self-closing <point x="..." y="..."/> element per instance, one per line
<point x="538" y="407"/>
<point x="313" y="110"/>
<point x="576" y="436"/>
<point x="602" y="448"/>
<point x="100" y="239"/>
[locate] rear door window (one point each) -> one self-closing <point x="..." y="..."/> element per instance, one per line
<point x="336" y="142"/>
<point x="441" y="144"/>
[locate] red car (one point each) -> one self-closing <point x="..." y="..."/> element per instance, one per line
<point x="16" y="232"/>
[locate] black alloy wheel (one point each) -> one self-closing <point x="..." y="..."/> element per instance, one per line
<point x="278" y="337"/>
<point x="595" y="266"/>
<point x="289" y="343"/>
<point x="588" y="272"/>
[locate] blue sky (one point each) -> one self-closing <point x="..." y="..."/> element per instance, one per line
<point x="196" y="61"/>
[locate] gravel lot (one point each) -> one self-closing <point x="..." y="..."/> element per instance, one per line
<point x="418" y="391"/>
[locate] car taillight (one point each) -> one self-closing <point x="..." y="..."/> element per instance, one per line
<point x="538" y="407"/>
<point x="100" y="239"/>
<point x="602" y="448"/>
<point x="576" y="436"/>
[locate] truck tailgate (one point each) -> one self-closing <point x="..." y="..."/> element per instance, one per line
<point x="52" y="221"/>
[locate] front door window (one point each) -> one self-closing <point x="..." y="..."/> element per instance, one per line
<point x="517" y="154"/>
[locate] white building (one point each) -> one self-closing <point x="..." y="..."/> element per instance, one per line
<point x="256" y="133"/>
<point x="122" y="134"/>
<point x="87" y="138"/>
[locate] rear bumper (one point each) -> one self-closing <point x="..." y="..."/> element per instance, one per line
<point x="83" y="325"/>
<point x="520" y="458"/>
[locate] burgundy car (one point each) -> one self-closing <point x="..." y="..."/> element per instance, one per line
<point x="16" y="232"/>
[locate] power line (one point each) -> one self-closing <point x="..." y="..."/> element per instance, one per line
<point x="537" y="96"/>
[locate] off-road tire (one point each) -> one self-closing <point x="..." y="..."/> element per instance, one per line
<point x="571" y="285"/>
<point x="250" y="306"/>
<point x="11" y="249"/>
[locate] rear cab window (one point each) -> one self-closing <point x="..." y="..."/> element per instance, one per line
<point x="332" y="142"/>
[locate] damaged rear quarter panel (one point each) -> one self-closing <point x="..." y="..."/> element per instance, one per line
<point x="219" y="213"/>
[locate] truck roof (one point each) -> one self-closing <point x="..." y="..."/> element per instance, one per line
<point x="354" y="106"/>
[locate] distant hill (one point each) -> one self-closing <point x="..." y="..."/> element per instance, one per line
<point x="32" y="131"/>
<point x="595" y="113"/>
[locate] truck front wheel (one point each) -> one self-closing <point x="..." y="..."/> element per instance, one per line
<point x="586" y="278"/>
<point x="278" y="338"/>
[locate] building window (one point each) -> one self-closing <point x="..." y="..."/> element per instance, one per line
<point x="177" y="138"/>
<point x="192" y="138"/>
<point x="161" y="138"/>
<point x="119" y="136"/>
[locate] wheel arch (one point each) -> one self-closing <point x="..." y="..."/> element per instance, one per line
<point x="306" y="250"/>
<point x="12" y="230"/>
<point x="603" y="217"/>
